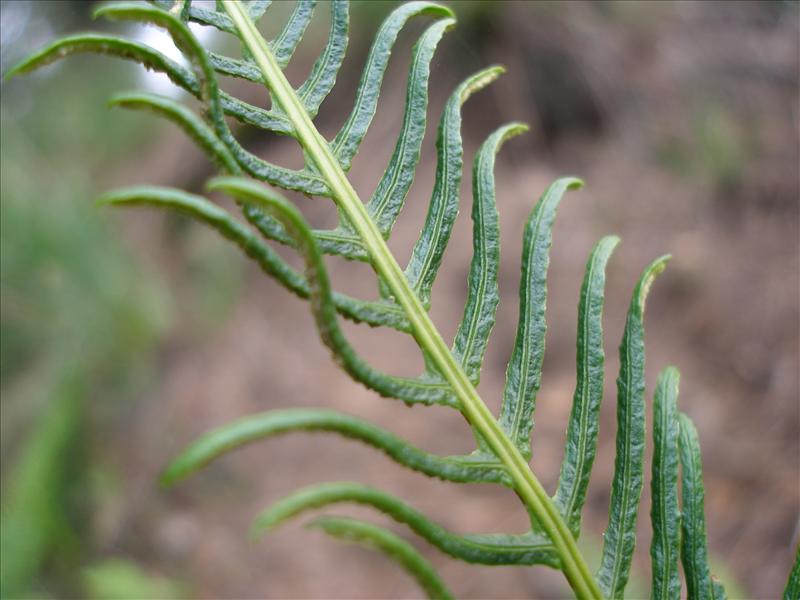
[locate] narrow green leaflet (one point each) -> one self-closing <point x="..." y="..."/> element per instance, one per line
<point x="289" y="38"/>
<point x="323" y="75"/>
<point x="266" y="425"/>
<point x="500" y="549"/>
<point x="233" y="67"/>
<point x="584" y="419"/>
<point x="372" y="313"/>
<point x="524" y="372"/>
<point x="329" y="241"/>
<point x="255" y="116"/>
<point x="112" y="45"/>
<point x="665" y="513"/>
<point x="426" y="257"/>
<point x="347" y="141"/>
<point x="391" y="192"/>
<point x="408" y="390"/>
<point x="792" y="591"/>
<point x="396" y="548"/>
<point x="187" y="120"/>
<point x="482" y="291"/>
<point x="694" y="550"/>
<point x="620" y="536"/>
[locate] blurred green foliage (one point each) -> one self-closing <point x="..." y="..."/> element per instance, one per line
<point x="715" y="151"/>
<point x="71" y="323"/>
<point x="117" y="579"/>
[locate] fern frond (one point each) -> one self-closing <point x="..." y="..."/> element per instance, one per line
<point x="107" y="44"/>
<point x="150" y="58"/>
<point x="451" y="373"/>
<point x="182" y="36"/>
<point x="396" y="548"/>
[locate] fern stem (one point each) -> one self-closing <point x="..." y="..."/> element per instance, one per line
<point x="427" y="336"/>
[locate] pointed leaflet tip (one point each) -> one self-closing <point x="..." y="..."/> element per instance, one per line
<point x="480" y="80"/>
<point x="15" y="70"/>
<point x="513" y="129"/>
<point x="648" y="277"/>
<point x="104" y="9"/>
<point x="445" y="11"/>
<point x="573" y="183"/>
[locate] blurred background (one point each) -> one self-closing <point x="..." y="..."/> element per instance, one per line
<point x="127" y="335"/>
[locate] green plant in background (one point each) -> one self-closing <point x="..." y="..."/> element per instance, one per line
<point x="502" y="444"/>
<point x="71" y="331"/>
